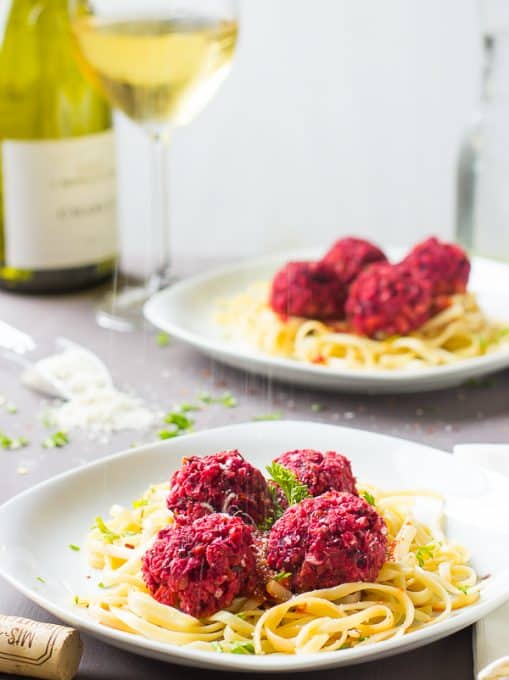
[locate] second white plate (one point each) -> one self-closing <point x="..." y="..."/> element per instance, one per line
<point x="186" y="311"/>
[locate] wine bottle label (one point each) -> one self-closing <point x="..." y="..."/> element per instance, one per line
<point x="59" y="202"/>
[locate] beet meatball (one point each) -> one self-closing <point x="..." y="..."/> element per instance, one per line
<point x="328" y="540"/>
<point x="350" y="256"/>
<point x="444" y="265"/>
<point x="320" y="472"/>
<point x="224" y="482"/>
<point x="388" y="300"/>
<point x="308" y="289"/>
<point x="202" y="566"/>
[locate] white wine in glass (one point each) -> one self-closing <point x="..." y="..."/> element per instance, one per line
<point x="159" y="62"/>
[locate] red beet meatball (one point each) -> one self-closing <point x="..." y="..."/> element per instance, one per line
<point x="328" y="540"/>
<point x="388" y="300"/>
<point x="202" y="566"/>
<point x="320" y="472"/>
<point x="223" y="482"/>
<point x="350" y="256"/>
<point x="444" y="265"/>
<point x="308" y="289"/>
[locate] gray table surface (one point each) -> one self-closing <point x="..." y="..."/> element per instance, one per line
<point x="169" y="375"/>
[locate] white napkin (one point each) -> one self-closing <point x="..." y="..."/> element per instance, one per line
<point x="491" y="634"/>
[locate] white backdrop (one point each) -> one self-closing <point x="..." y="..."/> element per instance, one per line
<point x="340" y="116"/>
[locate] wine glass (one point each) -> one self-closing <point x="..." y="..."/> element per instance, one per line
<point x="159" y="62"/>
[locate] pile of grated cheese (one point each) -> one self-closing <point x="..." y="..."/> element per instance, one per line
<point x="94" y="404"/>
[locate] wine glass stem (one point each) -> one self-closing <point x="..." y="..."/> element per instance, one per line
<point x="160" y="274"/>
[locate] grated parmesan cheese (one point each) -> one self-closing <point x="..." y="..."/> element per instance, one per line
<point x="94" y="403"/>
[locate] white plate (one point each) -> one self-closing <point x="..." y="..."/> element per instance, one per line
<point x="37" y="527"/>
<point x="186" y="311"/>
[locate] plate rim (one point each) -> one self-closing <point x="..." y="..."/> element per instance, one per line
<point x="463" y="369"/>
<point x="259" y="664"/>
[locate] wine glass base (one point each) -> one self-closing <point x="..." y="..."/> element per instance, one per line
<point x="122" y="310"/>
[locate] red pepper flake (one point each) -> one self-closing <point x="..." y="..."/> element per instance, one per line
<point x="129" y="545"/>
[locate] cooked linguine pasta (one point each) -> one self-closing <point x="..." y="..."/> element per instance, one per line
<point x="461" y="331"/>
<point x="425" y="578"/>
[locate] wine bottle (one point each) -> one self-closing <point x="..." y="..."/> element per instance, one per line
<point x="57" y="168"/>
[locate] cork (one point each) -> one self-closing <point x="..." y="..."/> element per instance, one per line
<point x="38" y="650"/>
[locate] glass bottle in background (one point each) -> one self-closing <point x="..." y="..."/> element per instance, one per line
<point x="482" y="219"/>
<point x="58" y="226"/>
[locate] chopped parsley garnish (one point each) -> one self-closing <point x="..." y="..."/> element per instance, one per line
<point x="275" y="415"/>
<point x="76" y="548"/>
<point x="464" y="589"/>
<point x="79" y="602"/>
<point x="162" y="339"/>
<point x="168" y="434"/>
<point x="488" y="381"/>
<point x="11" y="444"/>
<point x="282" y="576"/>
<point x="139" y="503"/>
<point x="181" y="423"/>
<point x="217" y="647"/>
<point x="267" y="523"/>
<point x="241" y="647"/>
<point x="503" y="332"/>
<point x="5" y="441"/>
<point x="316" y="408"/>
<point x="180" y="420"/>
<point x="278" y="510"/>
<point x="227" y="399"/>
<point x="11" y="408"/>
<point x="46" y="419"/>
<point x="186" y="407"/>
<point x="108" y="535"/>
<point x="425" y="552"/>
<point x="56" y="440"/>
<point x="40" y="579"/>
<point x="483" y="343"/>
<point x="294" y="490"/>
<point x="368" y="497"/>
